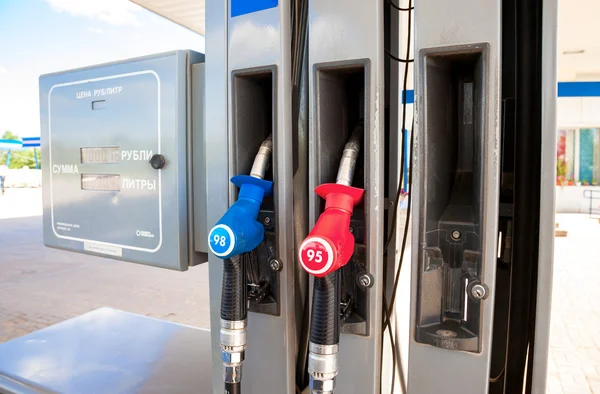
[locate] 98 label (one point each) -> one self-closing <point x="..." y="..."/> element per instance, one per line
<point x="221" y="240"/>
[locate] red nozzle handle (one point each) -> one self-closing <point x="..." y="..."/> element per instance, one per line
<point x="330" y="244"/>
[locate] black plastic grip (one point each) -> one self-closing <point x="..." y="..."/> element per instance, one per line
<point x="234" y="305"/>
<point x="233" y="388"/>
<point x="325" y="317"/>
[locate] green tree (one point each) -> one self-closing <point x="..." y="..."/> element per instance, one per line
<point x="22" y="158"/>
<point x="9" y="135"/>
<point x="18" y="158"/>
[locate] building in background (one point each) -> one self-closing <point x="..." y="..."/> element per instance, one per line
<point x="578" y="147"/>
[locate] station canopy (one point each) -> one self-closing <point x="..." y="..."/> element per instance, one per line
<point x="11" y="145"/>
<point x="578" y="46"/>
<point x="187" y="13"/>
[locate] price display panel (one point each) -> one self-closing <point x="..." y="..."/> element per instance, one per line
<point x="104" y="129"/>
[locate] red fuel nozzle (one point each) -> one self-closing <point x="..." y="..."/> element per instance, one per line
<point x="330" y="244"/>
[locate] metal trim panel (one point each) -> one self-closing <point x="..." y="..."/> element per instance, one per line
<point x="198" y="160"/>
<point x="217" y="171"/>
<point x="547" y="201"/>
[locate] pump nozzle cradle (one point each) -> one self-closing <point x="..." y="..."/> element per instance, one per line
<point x="333" y="234"/>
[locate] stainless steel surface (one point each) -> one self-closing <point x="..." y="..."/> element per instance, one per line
<point x="321" y="386"/>
<point x="197" y="117"/>
<point x="443" y="23"/>
<point x="262" y="159"/>
<point x="233" y="345"/>
<point x="259" y="40"/>
<point x="232" y="373"/>
<point x="547" y="201"/>
<point x="349" y="156"/>
<point x="108" y="352"/>
<point x="323" y="349"/>
<point x="217" y="174"/>
<point x="322" y="367"/>
<point x="234" y="325"/>
<point x="150" y="98"/>
<point x="10" y="385"/>
<point x="342" y="33"/>
<point x="232" y="358"/>
<point x="275" y="265"/>
<point x="233" y="341"/>
<point x="365" y="281"/>
<point x="479" y="292"/>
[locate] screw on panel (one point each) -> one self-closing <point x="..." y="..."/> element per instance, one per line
<point x="479" y="292"/>
<point x="456" y="234"/>
<point x="267" y="220"/>
<point x="275" y="265"/>
<point x="351" y="230"/>
<point x="365" y="281"/>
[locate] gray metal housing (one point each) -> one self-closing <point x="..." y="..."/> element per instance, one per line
<point x="139" y="107"/>
<point x="107" y="351"/>
<point x="441" y="24"/>
<point x="346" y="47"/>
<point x="547" y="200"/>
<point x="249" y="59"/>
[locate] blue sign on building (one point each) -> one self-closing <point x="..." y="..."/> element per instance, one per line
<point x="243" y="7"/>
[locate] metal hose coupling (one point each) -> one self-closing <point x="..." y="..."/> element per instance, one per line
<point x="349" y="156"/>
<point x="322" y="368"/>
<point x="262" y="159"/>
<point x="233" y="347"/>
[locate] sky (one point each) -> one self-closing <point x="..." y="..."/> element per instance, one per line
<point x="38" y="37"/>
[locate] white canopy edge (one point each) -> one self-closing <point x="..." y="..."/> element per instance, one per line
<point x="187" y="13"/>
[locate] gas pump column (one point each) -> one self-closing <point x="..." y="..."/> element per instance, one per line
<point x="329" y="247"/>
<point x="236" y="233"/>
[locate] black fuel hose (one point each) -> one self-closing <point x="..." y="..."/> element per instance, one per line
<point x="234" y="305"/>
<point x="233" y="388"/>
<point x="325" y="317"/>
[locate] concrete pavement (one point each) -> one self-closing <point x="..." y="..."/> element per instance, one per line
<point x="40" y="286"/>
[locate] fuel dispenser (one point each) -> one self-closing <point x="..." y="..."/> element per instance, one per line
<point x="143" y="156"/>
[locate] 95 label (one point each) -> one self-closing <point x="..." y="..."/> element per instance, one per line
<point x="316" y="255"/>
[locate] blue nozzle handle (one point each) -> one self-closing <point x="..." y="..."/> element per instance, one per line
<point x="238" y="231"/>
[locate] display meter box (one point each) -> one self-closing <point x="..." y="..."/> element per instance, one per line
<point x="118" y="154"/>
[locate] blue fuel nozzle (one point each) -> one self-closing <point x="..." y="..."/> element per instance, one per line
<point x="238" y="231"/>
